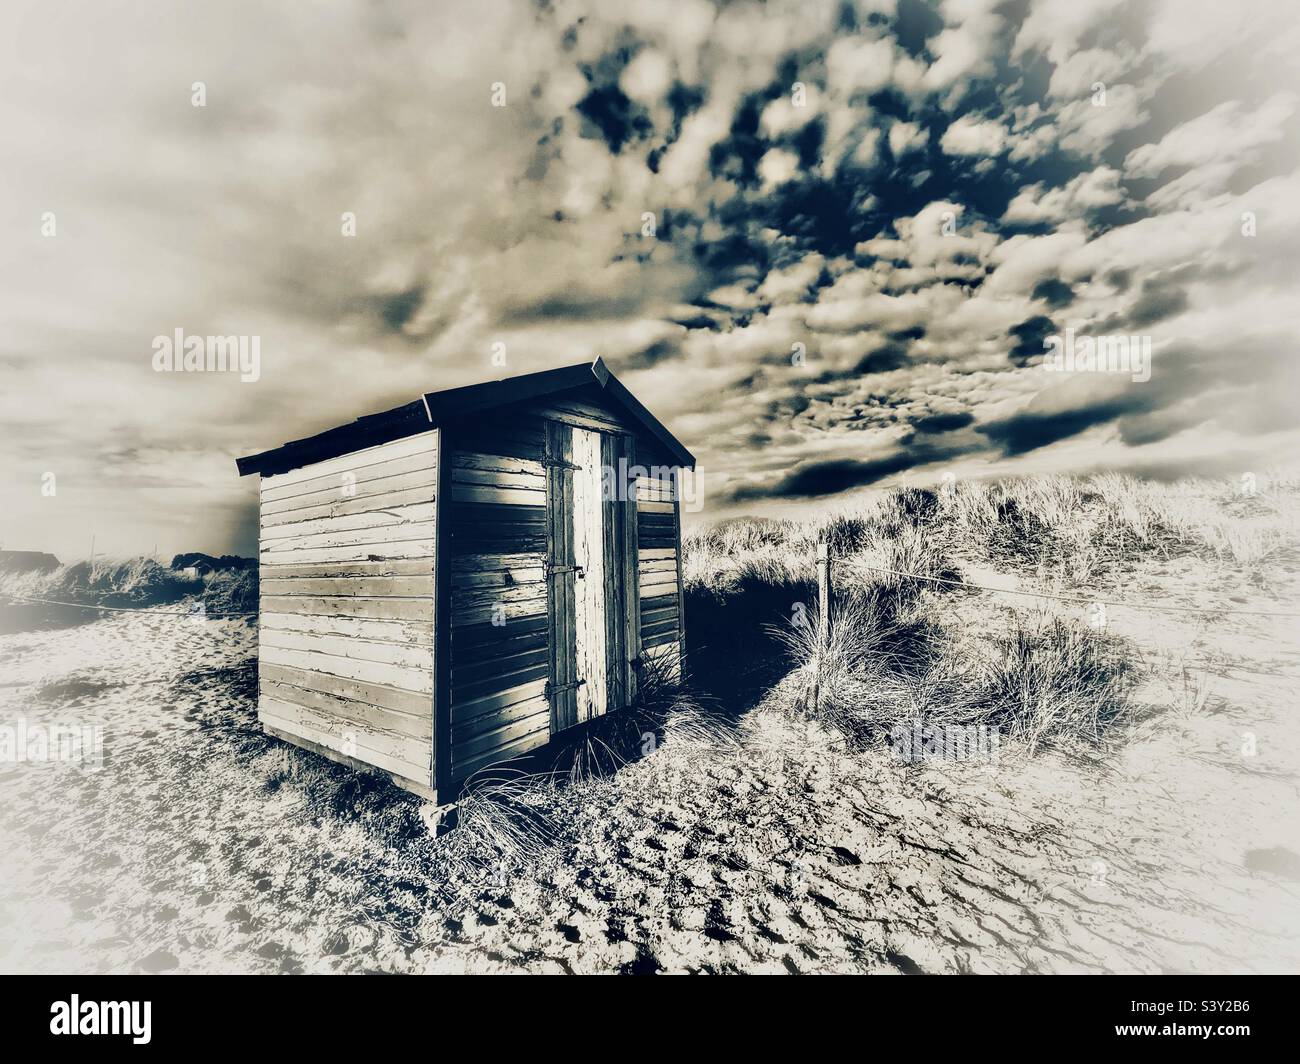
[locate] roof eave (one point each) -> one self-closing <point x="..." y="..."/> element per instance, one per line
<point x="434" y="408"/>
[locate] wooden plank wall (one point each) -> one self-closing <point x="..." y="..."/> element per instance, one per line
<point x="346" y="562"/>
<point x="495" y="540"/>
<point x="659" y="575"/>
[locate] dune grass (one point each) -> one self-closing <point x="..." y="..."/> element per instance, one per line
<point x="136" y="582"/>
<point x="892" y="659"/>
<point x="230" y="591"/>
<point x="1073" y="529"/>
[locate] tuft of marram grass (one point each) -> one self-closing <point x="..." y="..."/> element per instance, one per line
<point x="231" y="591"/>
<point x="885" y="663"/>
<point x="1048" y="681"/>
<point x="664" y="713"/>
<point x="504" y="820"/>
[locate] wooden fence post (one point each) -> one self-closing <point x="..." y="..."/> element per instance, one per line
<point x="823" y="618"/>
<point x="824" y="588"/>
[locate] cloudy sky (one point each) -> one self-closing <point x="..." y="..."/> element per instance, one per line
<point x="823" y="241"/>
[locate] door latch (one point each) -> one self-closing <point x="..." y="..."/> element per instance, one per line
<point x="555" y="689"/>
<point x="568" y="569"/>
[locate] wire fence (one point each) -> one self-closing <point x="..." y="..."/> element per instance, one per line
<point x="824" y="579"/>
<point x="1217" y="611"/>
<point x="825" y="587"/>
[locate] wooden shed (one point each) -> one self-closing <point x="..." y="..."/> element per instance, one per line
<point x="451" y="583"/>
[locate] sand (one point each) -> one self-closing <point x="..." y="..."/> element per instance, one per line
<point x="201" y="846"/>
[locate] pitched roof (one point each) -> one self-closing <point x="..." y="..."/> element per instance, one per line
<point x="436" y="408"/>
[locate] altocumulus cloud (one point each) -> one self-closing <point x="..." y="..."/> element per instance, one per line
<point x="824" y="240"/>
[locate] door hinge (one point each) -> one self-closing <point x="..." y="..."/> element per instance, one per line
<point x="552" y="690"/>
<point x="560" y="463"/>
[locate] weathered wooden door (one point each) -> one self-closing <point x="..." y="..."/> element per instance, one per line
<point x="587" y="563"/>
<point x="591" y="628"/>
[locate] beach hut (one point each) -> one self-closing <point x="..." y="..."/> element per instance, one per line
<point x="452" y="583"/>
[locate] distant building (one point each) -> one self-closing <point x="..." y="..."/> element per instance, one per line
<point x="197" y="564"/>
<point x="27" y="561"/>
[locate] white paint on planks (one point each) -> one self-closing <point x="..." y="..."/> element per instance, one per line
<point x="589" y="552"/>
<point x="346" y="650"/>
